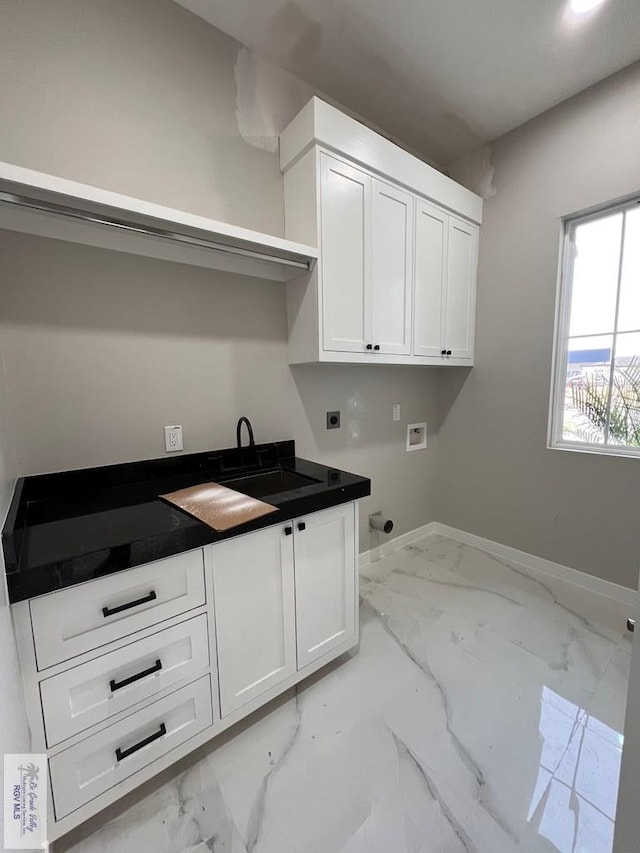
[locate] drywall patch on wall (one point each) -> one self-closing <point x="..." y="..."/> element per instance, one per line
<point x="267" y="98"/>
<point x="476" y="171"/>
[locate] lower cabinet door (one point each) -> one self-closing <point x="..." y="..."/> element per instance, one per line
<point x="93" y="766"/>
<point x="326" y="579"/>
<point x="255" y="617"/>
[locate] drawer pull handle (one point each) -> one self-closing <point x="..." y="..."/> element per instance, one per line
<point x="116" y="685"/>
<point x="302" y="526"/>
<point x="110" y="611"/>
<point x="125" y="753"/>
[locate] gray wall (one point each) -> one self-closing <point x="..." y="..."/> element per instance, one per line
<point x="496" y="477"/>
<point x="103" y="349"/>
<point x="143" y="98"/>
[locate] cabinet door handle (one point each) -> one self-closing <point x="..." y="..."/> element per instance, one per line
<point x="110" y="611"/>
<point x="116" y="685"/>
<point x="448" y="352"/>
<point x="302" y="526"/>
<point x="443" y="352"/>
<point x="125" y="753"/>
<point x="288" y="531"/>
<point x="377" y="347"/>
<point x="369" y="346"/>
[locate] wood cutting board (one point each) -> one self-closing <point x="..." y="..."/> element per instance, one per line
<point x="217" y="506"/>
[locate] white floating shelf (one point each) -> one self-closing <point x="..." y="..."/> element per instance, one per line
<point x="36" y="203"/>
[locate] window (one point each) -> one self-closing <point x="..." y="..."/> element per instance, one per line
<point x="596" y="393"/>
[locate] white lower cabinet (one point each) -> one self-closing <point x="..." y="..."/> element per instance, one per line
<point x="126" y="674"/>
<point x="90" y="615"/>
<point x="284" y="597"/>
<point x="96" y="690"/>
<point x="325" y="575"/>
<point x="255" y="616"/>
<point x="94" y="765"/>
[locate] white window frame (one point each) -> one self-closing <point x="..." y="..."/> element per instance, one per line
<point x="555" y="441"/>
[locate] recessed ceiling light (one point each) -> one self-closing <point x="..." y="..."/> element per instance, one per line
<point x="581" y="6"/>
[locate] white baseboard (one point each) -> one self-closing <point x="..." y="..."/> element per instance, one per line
<point x="522" y="559"/>
<point x="396" y="543"/>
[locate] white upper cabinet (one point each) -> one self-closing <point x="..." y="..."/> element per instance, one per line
<point x="462" y="263"/>
<point x="365" y="261"/>
<point x="345" y="256"/>
<point x="444" y="285"/>
<point x="391" y="247"/>
<point x="430" y="280"/>
<point x="397" y="240"/>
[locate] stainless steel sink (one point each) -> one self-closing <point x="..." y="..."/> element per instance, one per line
<point x="266" y="483"/>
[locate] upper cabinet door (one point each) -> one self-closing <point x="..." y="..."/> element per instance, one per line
<point x="345" y="221"/>
<point x="462" y="261"/>
<point x="391" y="278"/>
<point x="254" y="601"/>
<point x="430" y="279"/>
<point x="326" y="579"/>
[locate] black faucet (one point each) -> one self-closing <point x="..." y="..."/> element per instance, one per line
<point x="246" y="421"/>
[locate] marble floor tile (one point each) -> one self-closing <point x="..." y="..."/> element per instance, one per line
<point x="482" y="713"/>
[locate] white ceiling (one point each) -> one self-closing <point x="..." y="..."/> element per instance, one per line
<point x="440" y="76"/>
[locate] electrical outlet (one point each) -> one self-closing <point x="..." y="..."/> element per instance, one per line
<point x="172" y="438"/>
<point x="396" y="411"/>
<point x="333" y="420"/>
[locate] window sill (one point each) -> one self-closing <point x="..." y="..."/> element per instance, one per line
<point x="595" y="449"/>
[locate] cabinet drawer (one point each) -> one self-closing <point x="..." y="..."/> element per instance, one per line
<point x="90" y="693"/>
<point x="93" y="766"/>
<point x="84" y="617"/>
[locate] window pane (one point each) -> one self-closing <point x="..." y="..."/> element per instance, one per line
<point x="629" y="314"/>
<point x="587" y="389"/>
<point x="624" y="423"/>
<point x="595" y="276"/>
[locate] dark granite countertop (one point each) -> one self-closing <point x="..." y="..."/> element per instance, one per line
<point x="66" y="528"/>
